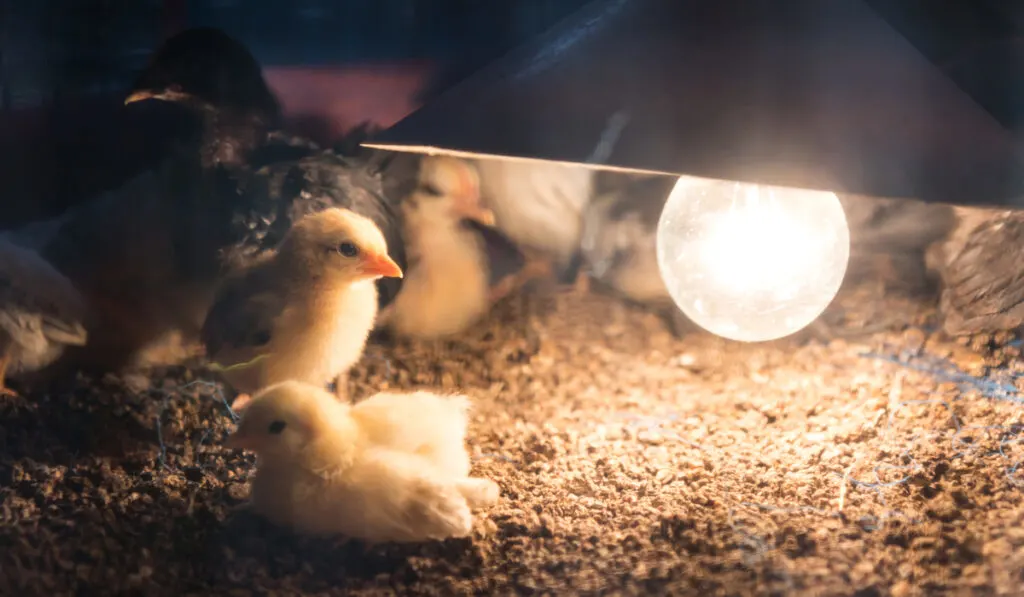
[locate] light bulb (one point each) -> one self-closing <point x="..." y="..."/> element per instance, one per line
<point x="751" y="262"/>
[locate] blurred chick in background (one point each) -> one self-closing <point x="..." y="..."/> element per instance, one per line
<point x="447" y="236"/>
<point x="41" y="313"/>
<point x="618" y="243"/>
<point x="539" y="205"/>
<point x="377" y="476"/>
<point x="220" y="82"/>
<point x="304" y="312"/>
<point x="980" y="273"/>
<point x="145" y="257"/>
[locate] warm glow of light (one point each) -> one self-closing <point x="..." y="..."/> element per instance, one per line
<point x="751" y="262"/>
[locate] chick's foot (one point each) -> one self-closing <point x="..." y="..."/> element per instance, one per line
<point x="479" y="493"/>
<point x="439" y="512"/>
<point x="240" y="402"/>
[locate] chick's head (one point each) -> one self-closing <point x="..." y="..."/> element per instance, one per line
<point x="340" y="245"/>
<point x="448" y="189"/>
<point x="204" y="66"/>
<point x="283" y="419"/>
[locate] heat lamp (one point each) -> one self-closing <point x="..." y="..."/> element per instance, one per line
<point x="765" y="110"/>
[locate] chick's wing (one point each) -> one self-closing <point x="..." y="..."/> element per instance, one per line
<point x="241" y="323"/>
<point x="503" y="256"/>
<point x="34" y="298"/>
<point x="404" y="502"/>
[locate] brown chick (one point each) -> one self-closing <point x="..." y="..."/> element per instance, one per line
<point x="322" y="469"/>
<point x="304" y="312"/>
<point x="41" y="313"/>
<point x="448" y="282"/>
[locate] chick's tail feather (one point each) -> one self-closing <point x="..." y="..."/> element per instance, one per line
<point x="71" y="334"/>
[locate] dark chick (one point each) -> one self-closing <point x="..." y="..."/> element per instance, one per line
<point x="145" y="257"/>
<point x="220" y="83"/>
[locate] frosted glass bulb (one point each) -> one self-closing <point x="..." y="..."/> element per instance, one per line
<point x="751" y="262"/>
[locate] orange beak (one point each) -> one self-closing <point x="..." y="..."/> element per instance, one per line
<point x="138" y="96"/>
<point x="381" y="265"/>
<point x="480" y="214"/>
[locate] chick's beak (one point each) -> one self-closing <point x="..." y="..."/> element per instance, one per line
<point x="138" y="96"/>
<point x="381" y="265"/>
<point x="481" y="215"/>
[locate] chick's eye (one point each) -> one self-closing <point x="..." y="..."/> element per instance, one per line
<point x="348" y="249"/>
<point x="431" y="189"/>
<point x="276" y="427"/>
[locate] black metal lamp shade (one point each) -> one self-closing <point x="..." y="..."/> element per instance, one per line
<point x="804" y="93"/>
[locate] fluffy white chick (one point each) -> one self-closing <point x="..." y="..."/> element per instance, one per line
<point x="306" y="311"/>
<point x="539" y="205"/>
<point x="41" y="313"/>
<point x="447" y="286"/>
<point x="323" y="469"/>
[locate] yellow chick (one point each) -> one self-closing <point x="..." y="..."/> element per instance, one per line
<point x="323" y="469"/>
<point x="41" y="313"/>
<point x="305" y="312"/>
<point x="447" y="288"/>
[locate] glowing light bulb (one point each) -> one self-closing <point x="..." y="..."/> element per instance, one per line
<point x="751" y="262"/>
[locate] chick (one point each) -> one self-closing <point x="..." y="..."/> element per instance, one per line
<point x="982" y="285"/>
<point x="145" y="257"/>
<point x="305" y="312"/>
<point x="618" y="244"/>
<point x="449" y="284"/>
<point x="280" y="193"/>
<point x="40" y="313"/>
<point x="538" y="205"/>
<point x="219" y="81"/>
<point x="323" y="468"/>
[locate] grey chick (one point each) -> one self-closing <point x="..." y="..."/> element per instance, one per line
<point x="982" y="281"/>
<point x="41" y="313"/>
<point x="618" y="244"/>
